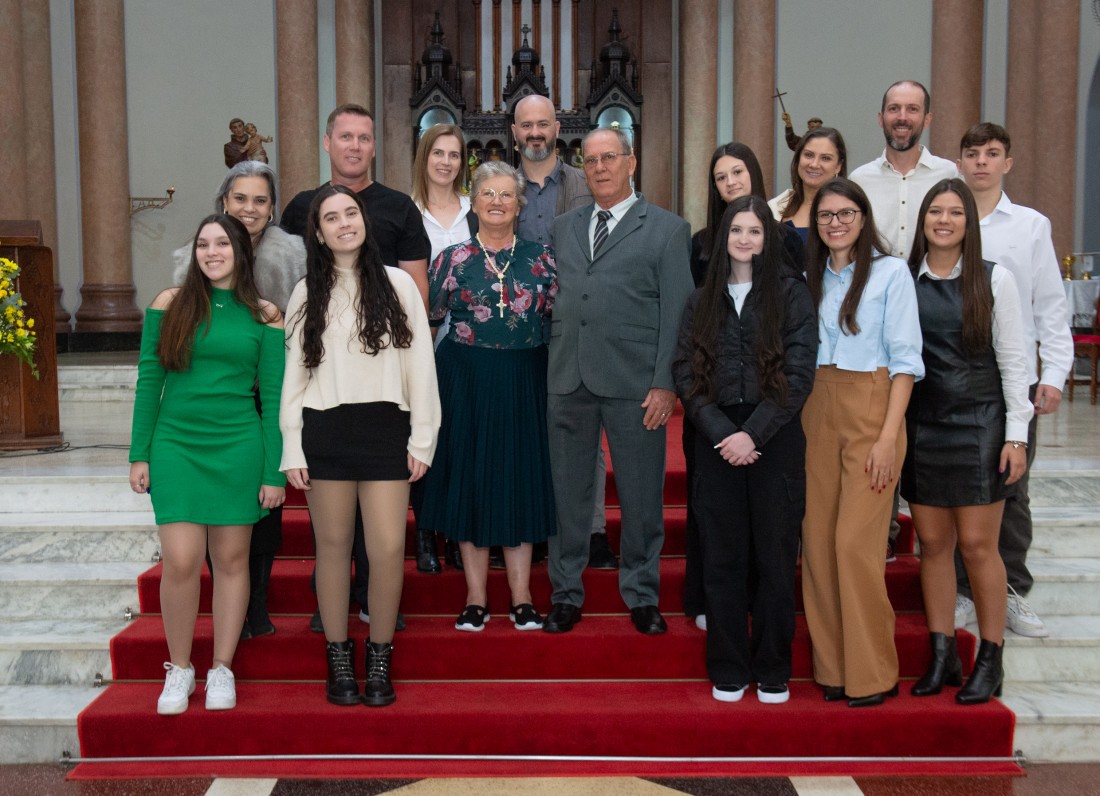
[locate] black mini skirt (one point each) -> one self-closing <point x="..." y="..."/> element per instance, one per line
<point x="357" y="442"/>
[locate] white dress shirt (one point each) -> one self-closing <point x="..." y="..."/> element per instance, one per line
<point x="617" y="213"/>
<point x="1008" y="346"/>
<point x="1018" y="238"/>
<point x="896" y="197"/>
<point x="442" y="237"/>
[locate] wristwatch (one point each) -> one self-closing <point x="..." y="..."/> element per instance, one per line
<point x="1015" y="443"/>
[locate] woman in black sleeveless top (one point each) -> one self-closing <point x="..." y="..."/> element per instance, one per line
<point x="965" y="424"/>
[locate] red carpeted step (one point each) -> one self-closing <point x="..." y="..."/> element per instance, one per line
<point x="601" y="647"/>
<point x="445" y="593"/>
<point x="298" y="540"/>
<point x="646" y="718"/>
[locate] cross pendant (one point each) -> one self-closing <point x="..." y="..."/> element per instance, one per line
<point x="502" y="303"/>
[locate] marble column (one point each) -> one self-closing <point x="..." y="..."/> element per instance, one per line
<point x="107" y="294"/>
<point x="1042" y="110"/>
<point x="957" y="27"/>
<point x="38" y="102"/>
<point x="296" y="78"/>
<point x="754" y="80"/>
<point x="13" y="134"/>
<point x="698" y="105"/>
<point x="1022" y="87"/>
<point x="355" y="53"/>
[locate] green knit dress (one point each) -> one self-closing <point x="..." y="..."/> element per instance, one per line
<point x="207" y="447"/>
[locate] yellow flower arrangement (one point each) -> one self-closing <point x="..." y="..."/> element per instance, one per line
<point x="17" y="335"/>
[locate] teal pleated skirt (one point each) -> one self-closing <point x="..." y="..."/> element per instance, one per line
<point x="490" y="480"/>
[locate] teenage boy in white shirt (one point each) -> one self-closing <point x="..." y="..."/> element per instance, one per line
<point x="1019" y="239"/>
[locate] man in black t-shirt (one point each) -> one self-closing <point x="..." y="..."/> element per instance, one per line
<point x="395" y="222"/>
<point x="398" y="229"/>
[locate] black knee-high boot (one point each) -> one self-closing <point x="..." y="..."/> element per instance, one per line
<point x="988" y="675"/>
<point x="945" y="668"/>
<point x="426" y="558"/>
<point x="258" y="622"/>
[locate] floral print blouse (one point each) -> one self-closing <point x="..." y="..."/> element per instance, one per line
<point x="463" y="283"/>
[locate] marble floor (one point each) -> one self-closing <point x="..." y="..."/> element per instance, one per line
<point x="1079" y="780"/>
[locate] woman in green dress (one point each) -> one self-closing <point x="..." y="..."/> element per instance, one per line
<point x="196" y="437"/>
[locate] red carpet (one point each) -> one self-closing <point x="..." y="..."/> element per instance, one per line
<point x="534" y="703"/>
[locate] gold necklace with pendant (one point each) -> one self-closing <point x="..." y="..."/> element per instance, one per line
<point x="499" y="272"/>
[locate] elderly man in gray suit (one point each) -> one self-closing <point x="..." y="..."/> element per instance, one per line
<point x="623" y="280"/>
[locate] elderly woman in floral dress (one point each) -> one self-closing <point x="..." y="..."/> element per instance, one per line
<point x="490" y="484"/>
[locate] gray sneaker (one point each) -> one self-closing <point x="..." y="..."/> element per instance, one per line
<point x="964" y="611"/>
<point x="1021" y="620"/>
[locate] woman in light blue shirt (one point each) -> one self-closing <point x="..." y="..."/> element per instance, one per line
<point x="868" y="358"/>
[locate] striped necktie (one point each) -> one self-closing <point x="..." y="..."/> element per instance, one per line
<point x="601" y="230"/>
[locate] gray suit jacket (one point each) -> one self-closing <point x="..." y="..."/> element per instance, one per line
<point x="616" y="318"/>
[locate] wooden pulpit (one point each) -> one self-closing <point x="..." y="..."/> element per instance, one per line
<point x="29" y="416"/>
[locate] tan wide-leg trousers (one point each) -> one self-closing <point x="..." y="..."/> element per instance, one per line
<point x="844" y="533"/>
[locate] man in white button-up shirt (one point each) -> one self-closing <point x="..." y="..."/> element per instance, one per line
<point x="1018" y="238"/>
<point x="897" y="180"/>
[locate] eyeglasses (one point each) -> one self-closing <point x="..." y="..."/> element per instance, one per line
<point x="488" y="194"/>
<point x="845" y="216"/>
<point x="608" y="159"/>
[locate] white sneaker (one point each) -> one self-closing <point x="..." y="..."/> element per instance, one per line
<point x="964" y="611"/>
<point x="179" y="684"/>
<point x="701" y="622"/>
<point x="728" y="693"/>
<point x="221" y="689"/>
<point x="772" y="694"/>
<point x="1021" y="620"/>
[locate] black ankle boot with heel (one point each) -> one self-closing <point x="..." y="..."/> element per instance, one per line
<point x="379" y="690"/>
<point x="427" y="560"/>
<point x="341" y="686"/>
<point x="988" y="675"/>
<point x="945" y="668"/>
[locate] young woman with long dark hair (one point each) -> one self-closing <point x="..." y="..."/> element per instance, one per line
<point x="735" y="172"/>
<point x="360" y="416"/>
<point x="198" y="439"/>
<point x="967" y="422"/>
<point x="867" y="362"/>
<point x="744" y="366"/>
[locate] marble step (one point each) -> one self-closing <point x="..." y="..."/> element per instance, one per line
<point x="56" y="652"/>
<point x="56" y="590"/>
<point x="82" y="489"/>
<point x="1065" y="532"/>
<point x="38" y="723"/>
<point x="1056" y="722"/>
<point x="1057" y="488"/>
<point x="1064" y="586"/>
<point x="113" y="379"/>
<point x="1070" y="653"/>
<point x="78" y="536"/>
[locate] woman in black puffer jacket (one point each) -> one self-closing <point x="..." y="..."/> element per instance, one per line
<point x="744" y="366"/>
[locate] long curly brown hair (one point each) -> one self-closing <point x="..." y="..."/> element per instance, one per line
<point x="380" y="318"/>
